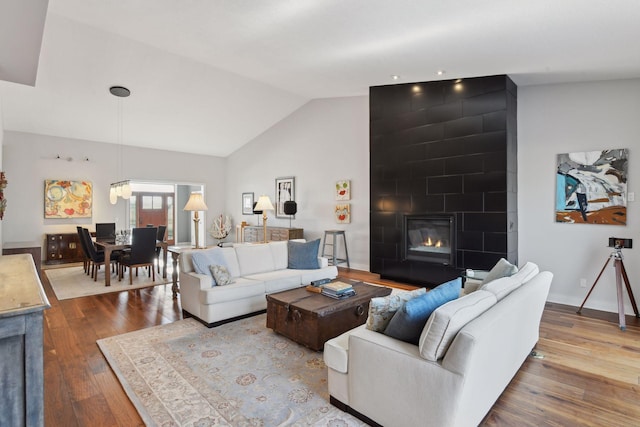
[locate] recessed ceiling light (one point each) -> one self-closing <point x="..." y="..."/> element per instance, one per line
<point x="395" y="77"/>
<point x="440" y="72"/>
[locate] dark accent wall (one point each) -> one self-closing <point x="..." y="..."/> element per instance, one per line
<point x="444" y="147"/>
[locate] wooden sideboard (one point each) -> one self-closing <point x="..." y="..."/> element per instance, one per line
<point x="254" y="233"/>
<point x="62" y="248"/>
<point x="21" y="342"/>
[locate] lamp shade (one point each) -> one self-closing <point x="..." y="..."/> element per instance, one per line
<point x="264" y="204"/>
<point x="113" y="197"/>
<point x="126" y="190"/>
<point x="195" y="203"/>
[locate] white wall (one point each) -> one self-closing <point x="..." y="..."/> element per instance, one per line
<point x="555" y="119"/>
<point x="30" y="159"/>
<point x="1" y="164"/>
<point x="324" y="141"/>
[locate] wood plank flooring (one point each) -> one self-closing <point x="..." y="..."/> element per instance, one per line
<point x="590" y="375"/>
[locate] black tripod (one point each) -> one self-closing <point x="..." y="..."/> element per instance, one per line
<point x="621" y="273"/>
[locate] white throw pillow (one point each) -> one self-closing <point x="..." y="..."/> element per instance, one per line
<point x="447" y="320"/>
<point x="503" y="268"/>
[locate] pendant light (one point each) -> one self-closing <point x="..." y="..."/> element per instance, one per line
<point x="121" y="188"/>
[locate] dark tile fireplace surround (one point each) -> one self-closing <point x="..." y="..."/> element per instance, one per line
<point x="442" y="154"/>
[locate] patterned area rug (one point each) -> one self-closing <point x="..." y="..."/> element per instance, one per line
<point x="72" y="282"/>
<point x="239" y="374"/>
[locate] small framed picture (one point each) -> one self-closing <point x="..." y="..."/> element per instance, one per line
<point x="247" y="203"/>
<point x="343" y="189"/>
<point x="343" y="213"/>
<point x="285" y="190"/>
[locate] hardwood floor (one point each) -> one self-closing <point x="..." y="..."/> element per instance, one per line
<point x="590" y="375"/>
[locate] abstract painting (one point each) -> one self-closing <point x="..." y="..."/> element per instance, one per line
<point x="591" y="187"/>
<point x="343" y="213"/>
<point x="67" y="199"/>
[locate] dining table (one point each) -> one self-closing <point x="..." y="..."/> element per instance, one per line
<point x="110" y="245"/>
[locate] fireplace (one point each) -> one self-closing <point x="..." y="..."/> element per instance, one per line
<point x="429" y="238"/>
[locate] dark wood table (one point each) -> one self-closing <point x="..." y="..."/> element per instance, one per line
<point x="110" y="245"/>
<point x="311" y="319"/>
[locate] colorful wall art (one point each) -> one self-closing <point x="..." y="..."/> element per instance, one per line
<point x="67" y="199"/>
<point x="343" y="213"/>
<point x="343" y="190"/>
<point x="591" y="187"/>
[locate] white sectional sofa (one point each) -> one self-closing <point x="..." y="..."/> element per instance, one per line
<point x="256" y="270"/>
<point x="469" y="351"/>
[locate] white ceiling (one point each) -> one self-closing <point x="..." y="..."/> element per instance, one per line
<point x="208" y="76"/>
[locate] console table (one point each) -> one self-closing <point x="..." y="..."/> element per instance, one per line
<point x="255" y="234"/>
<point x="21" y="342"/>
<point x="33" y="248"/>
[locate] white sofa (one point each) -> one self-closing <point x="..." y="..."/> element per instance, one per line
<point x="256" y="269"/>
<point x="469" y="351"/>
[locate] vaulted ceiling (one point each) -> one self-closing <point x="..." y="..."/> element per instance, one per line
<point x="208" y="76"/>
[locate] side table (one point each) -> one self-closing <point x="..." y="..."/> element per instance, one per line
<point x="472" y="279"/>
<point x="175" y="252"/>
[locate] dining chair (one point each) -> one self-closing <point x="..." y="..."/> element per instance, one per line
<point x="142" y="253"/>
<point x="86" y="261"/>
<point x="97" y="258"/>
<point x="162" y="230"/>
<point x="106" y="230"/>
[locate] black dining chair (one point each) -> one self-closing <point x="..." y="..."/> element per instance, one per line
<point x="86" y="261"/>
<point x="142" y="253"/>
<point x="97" y="258"/>
<point x="106" y="231"/>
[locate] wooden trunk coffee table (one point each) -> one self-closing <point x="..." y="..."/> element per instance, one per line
<point x="311" y="319"/>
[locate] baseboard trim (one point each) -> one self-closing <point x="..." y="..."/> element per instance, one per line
<point x="186" y="314"/>
<point x="348" y="409"/>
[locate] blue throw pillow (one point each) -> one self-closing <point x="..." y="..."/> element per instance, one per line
<point x="408" y="322"/>
<point x="203" y="259"/>
<point x="303" y="256"/>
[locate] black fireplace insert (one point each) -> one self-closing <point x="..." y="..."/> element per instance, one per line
<point x="429" y="238"/>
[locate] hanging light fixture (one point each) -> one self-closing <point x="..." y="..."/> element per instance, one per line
<point x="121" y="188"/>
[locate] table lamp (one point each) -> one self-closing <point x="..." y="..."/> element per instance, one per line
<point x="264" y="204"/>
<point x="196" y="204"/>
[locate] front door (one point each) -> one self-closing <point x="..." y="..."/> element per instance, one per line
<point x="155" y="209"/>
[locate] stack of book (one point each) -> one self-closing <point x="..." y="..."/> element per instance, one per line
<point x="338" y="290"/>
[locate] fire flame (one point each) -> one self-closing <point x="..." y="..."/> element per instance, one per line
<point x="429" y="242"/>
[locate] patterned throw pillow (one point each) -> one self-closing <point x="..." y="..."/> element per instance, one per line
<point x="220" y="275"/>
<point x="382" y="309"/>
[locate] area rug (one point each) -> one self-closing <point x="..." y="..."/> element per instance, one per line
<point x="239" y="374"/>
<point x="72" y="282"/>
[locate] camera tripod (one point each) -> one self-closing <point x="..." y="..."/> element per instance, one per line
<point x="621" y="273"/>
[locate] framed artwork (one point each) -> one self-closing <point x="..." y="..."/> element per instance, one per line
<point x="343" y="213"/>
<point x="285" y="190"/>
<point x="591" y="187"/>
<point x="67" y="199"/>
<point x="247" y="203"/>
<point x="343" y="190"/>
